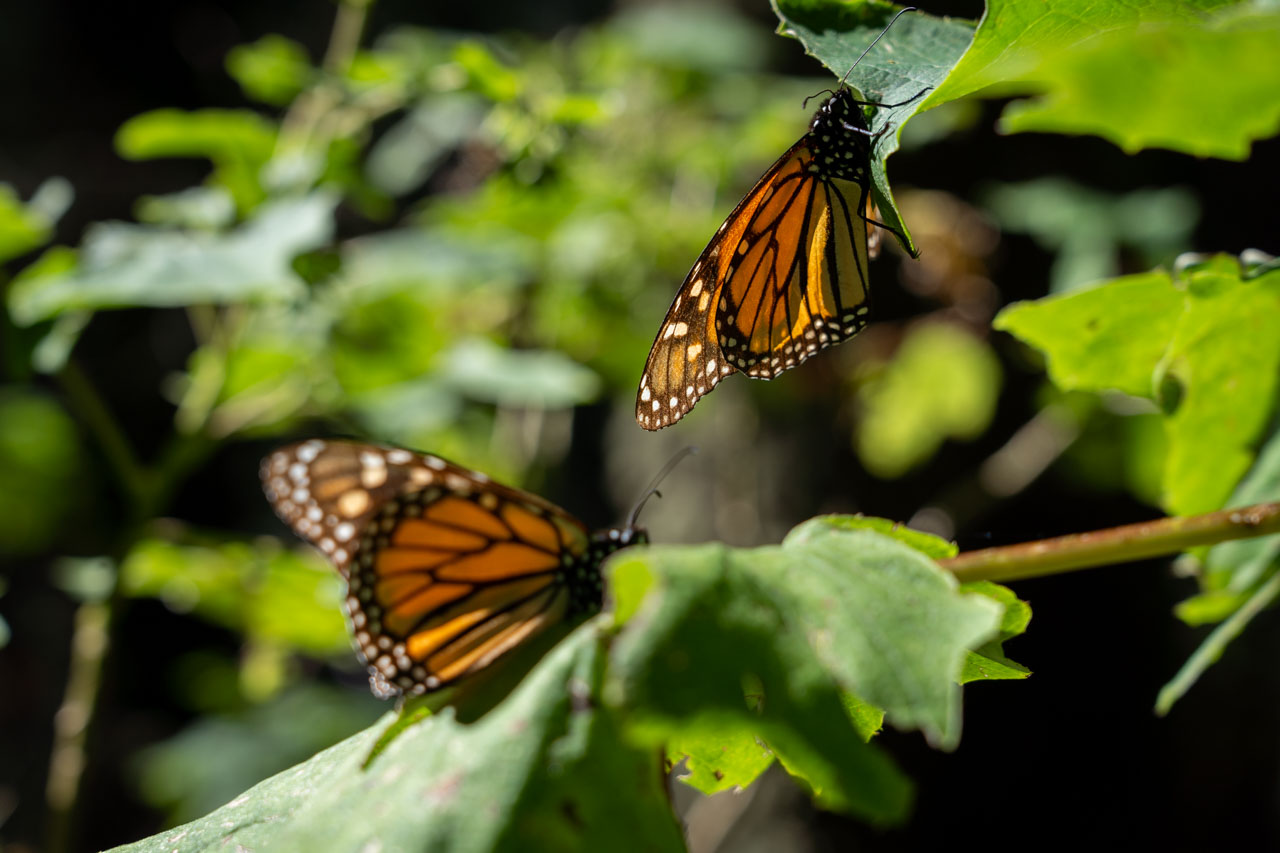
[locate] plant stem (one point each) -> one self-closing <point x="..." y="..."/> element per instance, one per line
<point x="310" y="108"/>
<point x="95" y="415"/>
<point x="72" y="723"/>
<point x="1113" y="545"/>
<point x="147" y="491"/>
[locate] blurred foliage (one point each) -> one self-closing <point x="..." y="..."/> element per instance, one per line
<point x="1086" y="230"/>
<point x="266" y="593"/>
<point x="1204" y="347"/>
<point x="942" y="383"/>
<point x="449" y="241"/>
<point x="42" y="471"/>
<point x="215" y="759"/>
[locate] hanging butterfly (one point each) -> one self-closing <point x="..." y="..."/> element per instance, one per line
<point x="786" y="274"/>
<point x="446" y="570"/>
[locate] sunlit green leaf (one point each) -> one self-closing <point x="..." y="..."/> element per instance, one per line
<point x="926" y="543"/>
<point x="21" y="228"/>
<point x="129" y="265"/>
<point x="239" y="143"/>
<point x="1215" y="340"/>
<point x="1241" y="564"/>
<point x="719" y="757"/>
<point x="822" y="609"/>
<point x="208" y="208"/>
<point x="1204" y="88"/>
<point x="272" y="69"/>
<point x="988" y="661"/>
<point x="1014" y="38"/>
<point x="1226" y="356"/>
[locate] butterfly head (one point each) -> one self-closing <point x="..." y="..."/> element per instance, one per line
<point x="614" y="538"/>
<point x="838" y="112"/>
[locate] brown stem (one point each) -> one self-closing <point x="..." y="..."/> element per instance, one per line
<point x="1113" y="545"/>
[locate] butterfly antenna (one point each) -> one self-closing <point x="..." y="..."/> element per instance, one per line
<point x="652" y="488"/>
<point x="876" y="39"/>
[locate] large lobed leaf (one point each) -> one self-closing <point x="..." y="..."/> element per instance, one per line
<point x="544" y="770"/>
<point x="916" y="54"/>
<point x="1192" y="75"/>
<point x="831" y="610"/>
<point x="1206" y="347"/>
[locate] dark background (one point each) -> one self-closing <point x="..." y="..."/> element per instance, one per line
<point x="1073" y="756"/>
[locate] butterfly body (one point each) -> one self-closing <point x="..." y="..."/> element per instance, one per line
<point x="784" y="277"/>
<point x="446" y="570"/>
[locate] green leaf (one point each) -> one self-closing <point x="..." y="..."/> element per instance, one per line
<point x="239" y="143"/>
<point x="942" y="383"/>
<point x="220" y="755"/>
<point x="289" y="598"/>
<point x="719" y="757"/>
<point x="701" y="634"/>
<point x="1207" y="88"/>
<point x="1014" y="39"/>
<point x="272" y="69"/>
<point x="1243" y="563"/>
<point x="21" y="228"/>
<point x="988" y="662"/>
<point x="406" y="155"/>
<point x="931" y="546"/>
<point x="1108" y="337"/>
<point x="532" y="379"/>
<point x="1216" y="643"/>
<point x="915" y="54"/>
<point x="124" y="266"/>
<point x="1213" y="339"/>
<point x="447" y="785"/>
<point x="42" y="471"/>
<point x="1226" y="356"/>
<point x="828" y="611"/>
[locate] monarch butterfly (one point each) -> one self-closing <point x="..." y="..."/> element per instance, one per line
<point x="446" y="570"/>
<point x="786" y="274"/>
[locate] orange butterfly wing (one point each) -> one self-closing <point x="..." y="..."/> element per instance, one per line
<point x="799" y="281"/>
<point x="446" y="570"/>
<point x="784" y="277"/>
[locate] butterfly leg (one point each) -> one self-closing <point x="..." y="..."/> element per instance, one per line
<point x="891" y="106"/>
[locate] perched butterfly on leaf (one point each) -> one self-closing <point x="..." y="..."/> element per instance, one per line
<point x="446" y="570"/>
<point x="786" y="274"/>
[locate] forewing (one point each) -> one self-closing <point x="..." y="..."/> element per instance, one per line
<point x="801" y="282"/>
<point x="685" y="361"/>
<point x="446" y="570"/>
